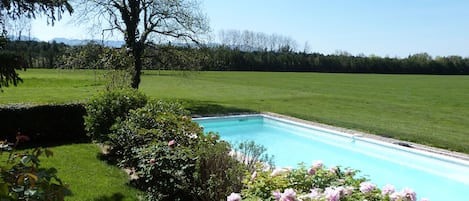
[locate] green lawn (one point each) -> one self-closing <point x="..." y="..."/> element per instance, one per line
<point x="427" y="109"/>
<point x="88" y="177"/>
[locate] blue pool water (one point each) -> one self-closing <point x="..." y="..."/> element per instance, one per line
<point x="432" y="176"/>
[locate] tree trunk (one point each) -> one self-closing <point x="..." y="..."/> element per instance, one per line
<point x="137" y="53"/>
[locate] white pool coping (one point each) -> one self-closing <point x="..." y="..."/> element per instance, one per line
<point x="420" y="149"/>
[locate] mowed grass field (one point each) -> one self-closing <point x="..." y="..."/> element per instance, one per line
<point x="427" y="109"/>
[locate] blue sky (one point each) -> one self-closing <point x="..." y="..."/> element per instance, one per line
<point x="380" y="27"/>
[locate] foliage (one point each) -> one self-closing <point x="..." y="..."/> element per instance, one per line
<point x="23" y="8"/>
<point x="157" y="121"/>
<point x="140" y="20"/>
<point x="51" y="123"/>
<point x="103" y="110"/>
<point x="172" y="157"/>
<point x="166" y="172"/>
<point x="9" y="63"/>
<point x="39" y="54"/>
<point x="317" y="183"/>
<point x="118" y="64"/>
<point x="251" y="153"/>
<point x="164" y="57"/>
<point x="53" y="9"/>
<point x="83" y="56"/>
<point x="22" y="178"/>
<point x="218" y="173"/>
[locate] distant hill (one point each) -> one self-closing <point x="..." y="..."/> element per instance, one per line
<point x="74" y="42"/>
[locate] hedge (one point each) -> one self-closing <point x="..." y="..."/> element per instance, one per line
<point x="44" y="123"/>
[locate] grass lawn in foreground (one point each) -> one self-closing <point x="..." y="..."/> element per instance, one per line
<point x="427" y="109"/>
<point x="89" y="177"/>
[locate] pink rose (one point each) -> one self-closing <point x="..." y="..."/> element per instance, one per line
<point x="277" y="195"/>
<point x="288" y="195"/>
<point x="233" y="197"/>
<point x="388" y="190"/>
<point x="409" y="194"/>
<point x="332" y="194"/>
<point x="317" y="164"/>
<point x="152" y="161"/>
<point x="311" y="171"/>
<point x="367" y="187"/>
<point x="171" y="143"/>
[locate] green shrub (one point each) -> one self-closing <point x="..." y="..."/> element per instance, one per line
<point x="104" y="109"/>
<point x="157" y="121"/>
<point x="172" y="157"/>
<point x="217" y="173"/>
<point x="22" y="178"/>
<point x="44" y="123"/>
<point x="166" y="172"/>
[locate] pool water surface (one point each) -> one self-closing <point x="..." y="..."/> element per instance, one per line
<point x="432" y="176"/>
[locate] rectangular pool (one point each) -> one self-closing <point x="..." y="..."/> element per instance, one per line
<point x="432" y="176"/>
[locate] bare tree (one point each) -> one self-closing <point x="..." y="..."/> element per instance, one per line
<point x="140" y="20"/>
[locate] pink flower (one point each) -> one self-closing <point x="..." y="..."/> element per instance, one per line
<point x="332" y="194"/>
<point x="348" y="190"/>
<point x="388" y="190"/>
<point x="254" y="175"/>
<point x="317" y="164"/>
<point x="395" y="196"/>
<point x="311" y="171"/>
<point x="409" y="194"/>
<point x="288" y="195"/>
<point x="367" y="187"/>
<point x="233" y="197"/>
<point x="314" y="195"/>
<point x="333" y="170"/>
<point x="277" y="171"/>
<point x="277" y="195"/>
<point x="152" y="161"/>
<point x="171" y="143"/>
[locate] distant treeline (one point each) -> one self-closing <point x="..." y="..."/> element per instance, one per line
<point x="224" y="58"/>
<point x="37" y="54"/>
<point x="234" y="58"/>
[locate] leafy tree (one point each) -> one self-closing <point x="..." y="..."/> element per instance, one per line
<point x="14" y="9"/>
<point x="138" y="20"/>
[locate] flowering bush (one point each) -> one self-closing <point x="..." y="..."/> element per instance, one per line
<point x="156" y="122"/>
<point x="316" y="183"/>
<point x="172" y="157"/>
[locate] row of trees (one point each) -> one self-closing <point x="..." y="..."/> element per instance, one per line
<point x="224" y="58"/>
<point x="137" y="20"/>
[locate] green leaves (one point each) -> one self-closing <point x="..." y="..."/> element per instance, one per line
<point x="23" y="179"/>
<point x="104" y="109"/>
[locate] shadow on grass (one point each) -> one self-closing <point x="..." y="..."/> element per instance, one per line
<point x="113" y="197"/>
<point x="208" y="108"/>
<point x="31" y="144"/>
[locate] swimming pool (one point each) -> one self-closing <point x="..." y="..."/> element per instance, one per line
<point x="433" y="176"/>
